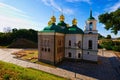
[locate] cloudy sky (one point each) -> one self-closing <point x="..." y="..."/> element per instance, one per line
<point x="35" y="14"/>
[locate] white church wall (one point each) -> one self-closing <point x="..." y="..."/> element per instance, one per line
<point x="88" y="37"/>
<point x="73" y="49"/>
<point x="90" y="55"/>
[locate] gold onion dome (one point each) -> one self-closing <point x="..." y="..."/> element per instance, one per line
<point x="49" y="23"/>
<point x="74" y="21"/>
<point x="53" y="19"/>
<point x="68" y="25"/>
<point x="62" y="18"/>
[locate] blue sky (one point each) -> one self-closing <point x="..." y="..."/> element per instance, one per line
<point x="35" y="14"/>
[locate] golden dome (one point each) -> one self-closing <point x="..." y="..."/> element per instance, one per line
<point x="68" y="25"/>
<point x="62" y="18"/>
<point x="49" y="23"/>
<point x="53" y="19"/>
<point x="74" y="21"/>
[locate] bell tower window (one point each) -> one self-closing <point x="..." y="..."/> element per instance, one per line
<point x="90" y="26"/>
<point x="69" y="54"/>
<point x="90" y="44"/>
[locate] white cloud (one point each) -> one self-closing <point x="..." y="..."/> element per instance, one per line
<point x="87" y="1"/>
<point x="52" y="4"/>
<point x="68" y="11"/>
<point x="15" y="18"/>
<point x="113" y="7"/>
<point x="10" y="7"/>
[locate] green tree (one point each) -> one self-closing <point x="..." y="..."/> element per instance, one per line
<point x="111" y="21"/>
<point x="107" y="44"/>
<point x="100" y="36"/>
<point x="108" y="37"/>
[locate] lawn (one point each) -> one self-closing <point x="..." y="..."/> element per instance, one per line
<point x="30" y="55"/>
<point x="10" y="71"/>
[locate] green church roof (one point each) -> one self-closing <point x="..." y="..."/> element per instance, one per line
<point x="62" y="23"/>
<point x="74" y="30"/>
<point x="53" y="27"/>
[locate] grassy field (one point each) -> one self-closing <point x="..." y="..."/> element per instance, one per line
<point x="10" y="71"/>
<point x="30" y="55"/>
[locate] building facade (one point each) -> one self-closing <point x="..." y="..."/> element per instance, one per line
<point x="61" y="41"/>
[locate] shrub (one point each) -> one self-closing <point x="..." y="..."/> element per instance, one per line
<point x="107" y="44"/>
<point x="116" y="48"/>
<point x="6" y="77"/>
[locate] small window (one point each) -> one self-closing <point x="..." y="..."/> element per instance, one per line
<point x="69" y="54"/>
<point x="48" y="49"/>
<point x="45" y="49"/>
<point x="90" y="44"/>
<point x="42" y="49"/>
<point x="91" y="26"/>
<point x="79" y="55"/>
<point x="69" y="42"/>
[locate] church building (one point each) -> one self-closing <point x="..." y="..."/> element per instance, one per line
<point x="58" y="42"/>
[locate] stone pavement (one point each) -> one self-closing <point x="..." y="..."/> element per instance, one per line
<point x="83" y="71"/>
<point x="5" y="55"/>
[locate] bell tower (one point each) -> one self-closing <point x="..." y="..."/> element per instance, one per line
<point x="91" y="24"/>
<point x="90" y="39"/>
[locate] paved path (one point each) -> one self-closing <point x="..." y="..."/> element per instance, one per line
<point x="5" y="55"/>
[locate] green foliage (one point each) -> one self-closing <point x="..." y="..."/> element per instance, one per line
<point x="107" y="44"/>
<point x="110" y="45"/>
<point x="111" y="21"/>
<point x="100" y="36"/>
<point x="10" y="71"/>
<point x="108" y="37"/>
<point x="6" y="77"/>
<point x="116" y="48"/>
<point x="8" y="38"/>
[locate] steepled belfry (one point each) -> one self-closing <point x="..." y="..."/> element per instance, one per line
<point x="91" y="17"/>
<point x="91" y="38"/>
<point x="91" y="24"/>
<point x="60" y="42"/>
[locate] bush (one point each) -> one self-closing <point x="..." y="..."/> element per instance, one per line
<point x="107" y="44"/>
<point x="6" y="77"/>
<point x="116" y="48"/>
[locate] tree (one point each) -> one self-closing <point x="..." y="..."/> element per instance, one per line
<point x="100" y="36"/>
<point x="108" y="37"/>
<point x="111" y="21"/>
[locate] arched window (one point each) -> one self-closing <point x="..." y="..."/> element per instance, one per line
<point x="48" y="49"/>
<point x="79" y="55"/>
<point x="69" y="42"/>
<point x="90" y="44"/>
<point x="42" y="49"/>
<point x="45" y="49"/>
<point x="69" y="54"/>
<point x="90" y="26"/>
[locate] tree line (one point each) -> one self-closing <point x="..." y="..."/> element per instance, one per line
<point x="7" y="38"/>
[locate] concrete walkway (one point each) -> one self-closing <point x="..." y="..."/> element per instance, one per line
<point x="5" y="55"/>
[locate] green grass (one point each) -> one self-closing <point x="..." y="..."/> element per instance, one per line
<point x="10" y="71"/>
<point x="30" y="54"/>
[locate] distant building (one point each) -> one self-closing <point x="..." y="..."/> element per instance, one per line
<point x="61" y="41"/>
